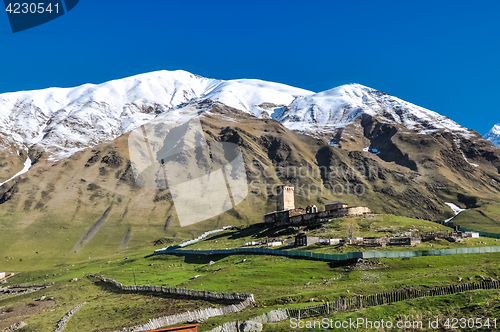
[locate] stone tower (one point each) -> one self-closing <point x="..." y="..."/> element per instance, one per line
<point x="285" y="198"/>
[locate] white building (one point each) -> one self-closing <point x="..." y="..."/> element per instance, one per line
<point x="330" y="241"/>
<point x="473" y="235"/>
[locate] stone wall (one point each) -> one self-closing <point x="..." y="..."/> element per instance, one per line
<point x="61" y="324"/>
<point x="266" y="318"/>
<point x="244" y="301"/>
<point x="189" y="293"/>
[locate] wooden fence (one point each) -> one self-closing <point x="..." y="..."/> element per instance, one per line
<point x="332" y="257"/>
<point x="191" y="316"/>
<point x="360" y="302"/>
<point x="357" y="303"/>
<point x="246" y="300"/>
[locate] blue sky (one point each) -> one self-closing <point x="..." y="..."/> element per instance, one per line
<point x="440" y="55"/>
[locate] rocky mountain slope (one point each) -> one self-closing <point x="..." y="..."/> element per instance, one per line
<point x="75" y="192"/>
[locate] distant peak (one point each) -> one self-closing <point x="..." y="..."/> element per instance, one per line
<point x="494" y="135"/>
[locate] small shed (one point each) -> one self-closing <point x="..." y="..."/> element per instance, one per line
<point x="184" y="328"/>
<point x="335" y="206"/>
<point x="302" y="240"/>
<point x="2" y="274"/>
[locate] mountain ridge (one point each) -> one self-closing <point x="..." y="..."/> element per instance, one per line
<point x="62" y="121"/>
<point x="65" y="120"/>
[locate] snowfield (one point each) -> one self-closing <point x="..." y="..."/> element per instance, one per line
<point x="341" y="106"/>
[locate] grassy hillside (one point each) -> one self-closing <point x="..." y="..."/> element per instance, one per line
<point x="478" y="304"/>
<point x="485" y="217"/>
<point x="275" y="281"/>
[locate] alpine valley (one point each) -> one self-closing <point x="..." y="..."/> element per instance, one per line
<point x="68" y="186"/>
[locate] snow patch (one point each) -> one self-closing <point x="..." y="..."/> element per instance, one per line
<point x="457" y="142"/>
<point x="27" y="165"/>
<point x="456" y="209"/>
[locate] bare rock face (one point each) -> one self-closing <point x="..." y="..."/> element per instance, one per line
<point x="251" y="326"/>
<point x="15" y="327"/>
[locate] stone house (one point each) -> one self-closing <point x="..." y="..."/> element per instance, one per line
<point x="302" y="240"/>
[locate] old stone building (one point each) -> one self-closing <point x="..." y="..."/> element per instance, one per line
<point x="287" y="214"/>
<point x="286" y="199"/>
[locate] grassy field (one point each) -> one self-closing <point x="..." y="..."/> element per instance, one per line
<point x="275" y="282"/>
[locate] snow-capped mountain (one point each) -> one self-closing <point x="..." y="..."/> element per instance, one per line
<point x="494" y="135"/>
<point x="65" y="120"/>
<point x="341" y="106"/>
<point x="407" y="160"/>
